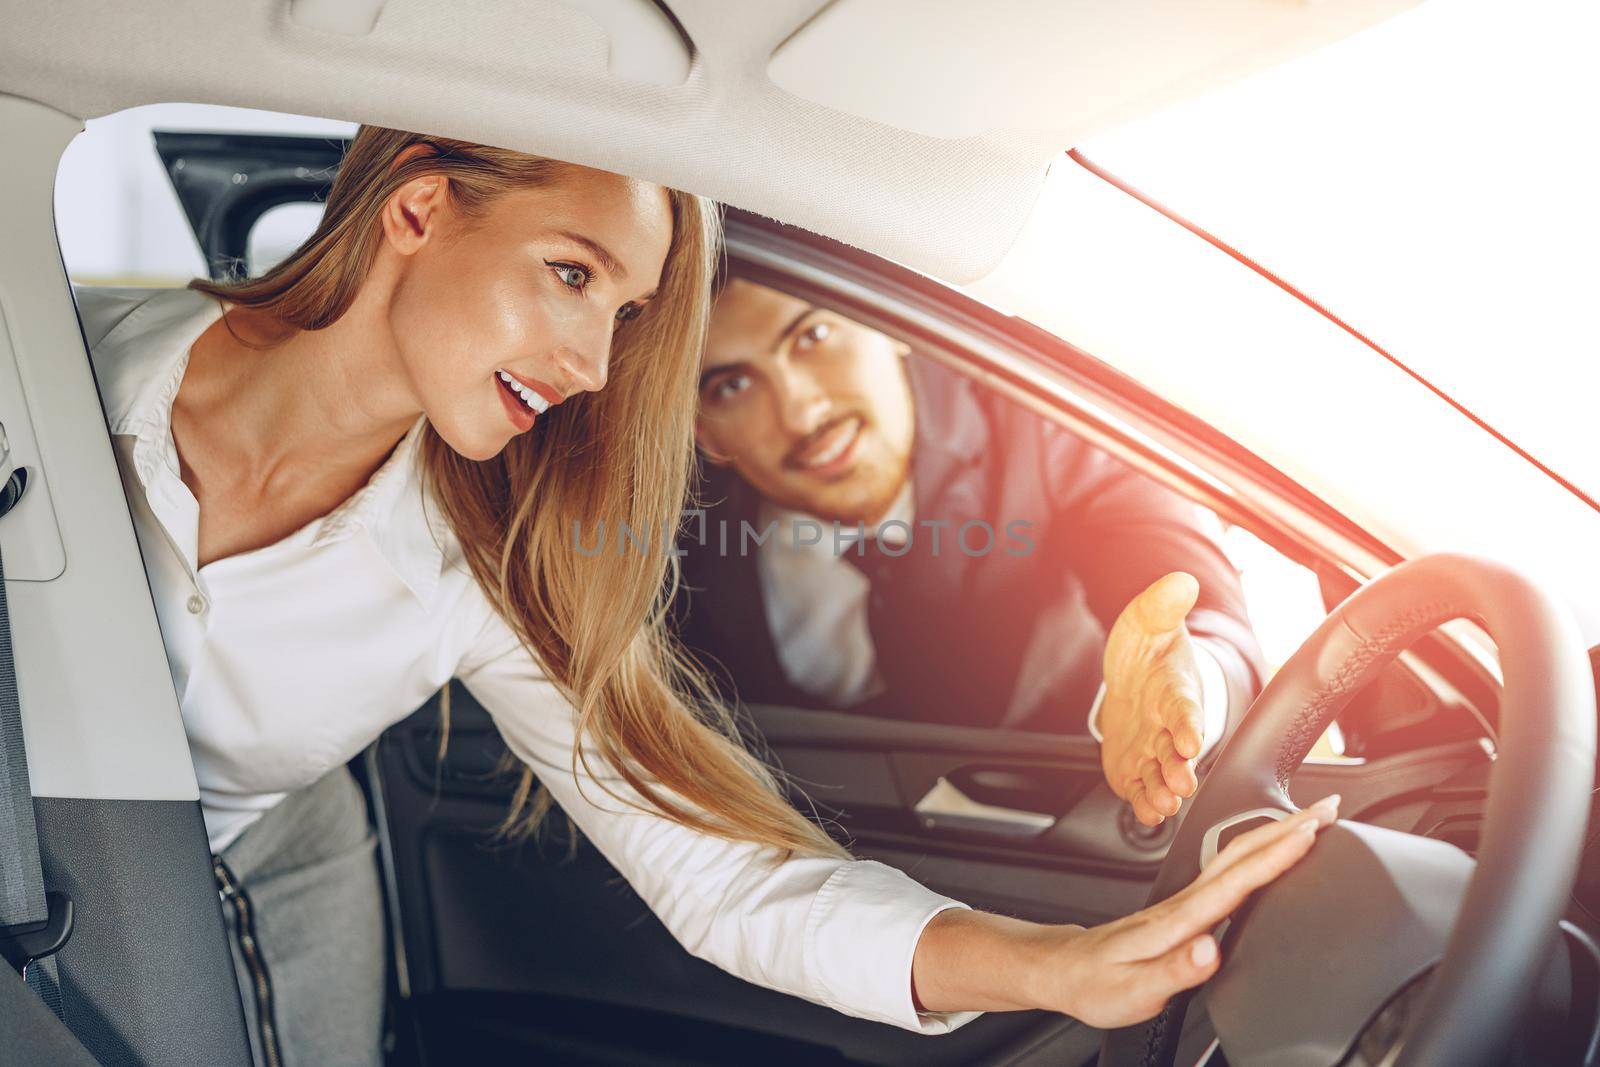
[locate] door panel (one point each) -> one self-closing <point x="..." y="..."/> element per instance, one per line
<point x="542" y="947"/>
<point x="878" y="772"/>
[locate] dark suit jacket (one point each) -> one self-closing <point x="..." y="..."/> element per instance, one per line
<point x="992" y="639"/>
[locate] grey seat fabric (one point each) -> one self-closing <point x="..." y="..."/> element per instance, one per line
<point x="31" y="1033"/>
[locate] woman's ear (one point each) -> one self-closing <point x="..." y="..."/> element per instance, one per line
<point x="415" y="210"/>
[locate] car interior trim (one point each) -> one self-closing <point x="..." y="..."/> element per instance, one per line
<point x="112" y="732"/>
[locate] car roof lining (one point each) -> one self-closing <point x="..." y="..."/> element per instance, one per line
<point x="537" y="75"/>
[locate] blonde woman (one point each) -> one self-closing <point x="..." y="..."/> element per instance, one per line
<point x="358" y="476"/>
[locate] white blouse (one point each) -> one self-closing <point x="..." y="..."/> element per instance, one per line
<point x="288" y="660"/>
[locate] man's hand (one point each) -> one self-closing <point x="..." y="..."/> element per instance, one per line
<point x="1151" y="718"/>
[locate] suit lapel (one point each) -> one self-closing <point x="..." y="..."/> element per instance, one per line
<point x="952" y="436"/>
<point x="923" y="622"/>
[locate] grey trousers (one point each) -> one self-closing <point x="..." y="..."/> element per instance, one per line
<point x="302" y="901"/>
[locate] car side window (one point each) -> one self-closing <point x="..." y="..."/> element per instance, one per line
<point x="277" y="232"/>
<point x="125" y="213"/>
<point x="881" y="534"/>
<point x="877" y="533"/>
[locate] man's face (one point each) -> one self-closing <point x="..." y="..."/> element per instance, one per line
<point x="810" y="408"/>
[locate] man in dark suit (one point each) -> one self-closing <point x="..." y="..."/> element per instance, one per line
<point x="881" y="534"/>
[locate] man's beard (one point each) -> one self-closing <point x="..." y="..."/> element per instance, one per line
<point x="845" y="502"/>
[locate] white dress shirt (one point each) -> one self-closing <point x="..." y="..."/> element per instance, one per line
<point x="289" y="659"/>
<point x="816" y="601"/>
<point x="816" y="607"/>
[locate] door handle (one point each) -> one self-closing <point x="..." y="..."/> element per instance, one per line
<point x="946" y="807"/>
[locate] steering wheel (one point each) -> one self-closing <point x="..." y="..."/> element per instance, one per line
<point x="1314" y="957"/>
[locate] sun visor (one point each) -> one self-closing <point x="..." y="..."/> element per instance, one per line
<point x="920" y="130"/>
<point x="953" y="68"/>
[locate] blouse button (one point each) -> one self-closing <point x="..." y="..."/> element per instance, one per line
<point x="196" y="604"/>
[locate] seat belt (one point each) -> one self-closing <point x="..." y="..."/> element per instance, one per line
<point x="33" y="923"/>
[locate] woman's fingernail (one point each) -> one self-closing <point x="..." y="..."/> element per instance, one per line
<point x="1203" y="951"/>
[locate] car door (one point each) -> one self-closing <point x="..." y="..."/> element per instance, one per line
<point x="539" y="948"/>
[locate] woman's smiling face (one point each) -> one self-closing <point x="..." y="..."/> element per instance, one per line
<point x="498" y="315"/>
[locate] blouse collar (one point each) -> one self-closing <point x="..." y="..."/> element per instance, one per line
<point x="140" y="364"/>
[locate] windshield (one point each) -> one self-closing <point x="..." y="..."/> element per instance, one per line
<point x="1430" y="180"/>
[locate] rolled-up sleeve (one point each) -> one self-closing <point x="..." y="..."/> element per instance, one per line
<point x="836" y="932"/>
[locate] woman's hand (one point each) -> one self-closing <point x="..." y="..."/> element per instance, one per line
<point x="1124" y="971"/>
<point x="1113" y="975"/>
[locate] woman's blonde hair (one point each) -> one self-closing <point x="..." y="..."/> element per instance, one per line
<point x="596" y="624"/>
